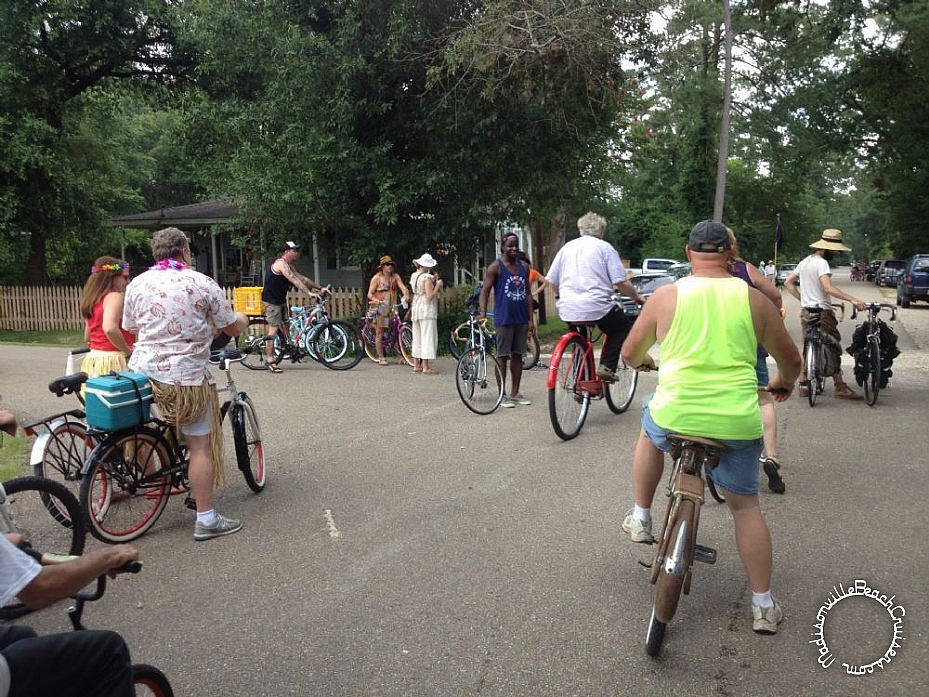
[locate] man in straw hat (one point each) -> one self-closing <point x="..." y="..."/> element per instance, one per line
<point x="709" y="326"/>
<point x="815" y="279"/>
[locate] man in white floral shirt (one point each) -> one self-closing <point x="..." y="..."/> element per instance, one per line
<point x="175" y="312"/>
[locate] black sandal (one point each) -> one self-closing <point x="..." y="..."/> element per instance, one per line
<point x="775" y="483"/>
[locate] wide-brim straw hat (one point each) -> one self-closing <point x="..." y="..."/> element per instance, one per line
<point x="426" y="261"/>
<point x="831" y="239"/>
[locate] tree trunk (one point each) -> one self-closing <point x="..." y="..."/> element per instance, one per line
<point x="36" y="268"/>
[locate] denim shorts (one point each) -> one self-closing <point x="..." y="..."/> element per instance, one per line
<point x="761" y="372"/>
<point x="737" y="470"/>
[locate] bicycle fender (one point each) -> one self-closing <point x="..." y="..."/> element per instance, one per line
<point x="37" y="455"/>
<point x="556" y="358"/>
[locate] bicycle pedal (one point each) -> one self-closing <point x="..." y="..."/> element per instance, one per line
<point x="705" y="554"/>
<point x="190" y="503"/>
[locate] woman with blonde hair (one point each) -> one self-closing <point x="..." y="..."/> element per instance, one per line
<point x="102" y="309"/>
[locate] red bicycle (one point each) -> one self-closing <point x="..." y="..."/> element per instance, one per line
<point x="573" y="382"/>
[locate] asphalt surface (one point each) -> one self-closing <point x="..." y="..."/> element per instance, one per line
<point x="405" y="546"/>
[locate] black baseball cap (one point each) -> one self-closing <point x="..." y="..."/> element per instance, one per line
<point x="289" y="245"/>
<point x="709" y="237"/>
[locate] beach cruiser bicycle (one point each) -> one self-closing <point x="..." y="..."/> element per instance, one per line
<point x="310" y="332"/>
<point x="397" y="337"/>
<point x="573" y="381"/>
<point x="48" y="517"/>
<point x="131" y="473"/>
<point x="478" y="376"/>
<point x="868" y="363"/>
<point x="671" y="569"/>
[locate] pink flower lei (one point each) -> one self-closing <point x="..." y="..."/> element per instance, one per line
<point x="168" y="263"/>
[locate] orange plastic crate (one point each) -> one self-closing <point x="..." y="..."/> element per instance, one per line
<point x="247" y="300"/>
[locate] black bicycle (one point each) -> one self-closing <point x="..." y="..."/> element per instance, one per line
<point x="148" y="680"/>
<point x="870" y="358"/>
<point x="131" y="473"/>
<point x="813" y="354"/>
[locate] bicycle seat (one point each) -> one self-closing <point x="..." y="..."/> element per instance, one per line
<point x="813" y="310"/>
<point x="681" y="439"/>
<point x="67" y="384"/>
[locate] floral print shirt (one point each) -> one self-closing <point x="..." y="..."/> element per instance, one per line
<point x="173" y="313"/>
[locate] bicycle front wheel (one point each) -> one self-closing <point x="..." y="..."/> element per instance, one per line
<point x="249" y="453"/>
<point x="568" y="403"/>
<point x="48" y="515"/>
<point x="872" y="380"/>
<point x="125" y="488"/>
<point x="405" y="343"/>
<point x="338" y="345"/>
<point x="479" y="381"/>
<point x="619" y="394"/>
<point x="148" y="680"/>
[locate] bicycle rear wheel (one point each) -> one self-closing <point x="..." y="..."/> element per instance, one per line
<point x="567" y="402"/>
<point x="872" y="380"/>
<point x="479" y="381"/>
<point x="458" y="340"/>
<point x="249" y="453"/>
<point x="812" y="371"/>
<point x="674" y="565"/>
<point x="32" y="501"/>
<point x="254" y="337"/>
<point x="63" y="450"/>
<point x="533" y="348"/>
<point x="148" y="680"/>
<point x="619" y="394"/>
<point x="125" y="490"/>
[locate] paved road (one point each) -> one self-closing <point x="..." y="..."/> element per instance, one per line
<point x="405" y="546"/>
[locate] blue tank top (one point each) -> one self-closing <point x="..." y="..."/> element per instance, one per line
<point x="510" y="290"/>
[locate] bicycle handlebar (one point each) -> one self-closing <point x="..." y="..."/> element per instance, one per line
<point x="874" y="309"/>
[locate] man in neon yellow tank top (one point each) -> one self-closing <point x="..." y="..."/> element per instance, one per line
<point x="709" y="325"/>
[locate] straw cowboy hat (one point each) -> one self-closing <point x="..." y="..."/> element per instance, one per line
<point x="831" y="239"/>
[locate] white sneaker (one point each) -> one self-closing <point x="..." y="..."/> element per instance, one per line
<point x="638" y="531"/>
<point x="507" y="403"/>
<point x="766" y="619"/>
<point x="519" y="399"/>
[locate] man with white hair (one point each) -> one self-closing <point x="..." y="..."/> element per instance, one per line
<point x="584" y="274"/>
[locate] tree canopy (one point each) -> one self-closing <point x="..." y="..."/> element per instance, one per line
<point x="385" y="125"/>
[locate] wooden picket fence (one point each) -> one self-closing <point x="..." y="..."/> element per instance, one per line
<point x="55" y="308"/>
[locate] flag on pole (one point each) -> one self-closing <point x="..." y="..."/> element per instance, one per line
<point x="778" y="234"/>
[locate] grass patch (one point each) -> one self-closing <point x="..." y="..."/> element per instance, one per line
<point x="13" y="453"/>
<point x="69" y="338"/>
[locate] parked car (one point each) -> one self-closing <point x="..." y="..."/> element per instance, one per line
<point x="645" y="284"/>
<point x="873" y="266"/>
<point x="783" y="271"/>
<point x="679" y="270"/>
<point x="890" y="271"/>
<point x="914" y="283"/>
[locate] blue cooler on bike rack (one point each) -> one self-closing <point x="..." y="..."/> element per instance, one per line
<point x="117" y="400"/>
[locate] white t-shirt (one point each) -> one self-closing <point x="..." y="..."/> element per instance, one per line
<point x="811" y="288"/>
<point x="585" y="271"/>
<point x="16" y="572"/>
<point x="172" y="313"/>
